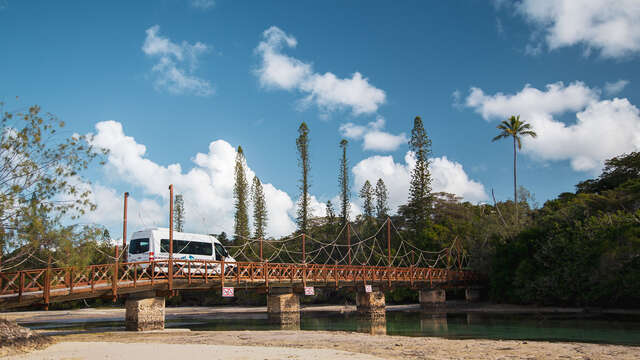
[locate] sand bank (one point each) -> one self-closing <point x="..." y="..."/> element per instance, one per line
<point x="312" y="345"/>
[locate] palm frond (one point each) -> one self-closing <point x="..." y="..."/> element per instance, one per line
<point x="500" y="136"/>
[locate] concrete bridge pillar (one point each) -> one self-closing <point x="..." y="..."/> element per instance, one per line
<point x="371" y="305"/>
<point x="472" y="294"/>
<point x="144" y="311"/>
<point x="283" y="307"/>
<point x="433" y="300"/>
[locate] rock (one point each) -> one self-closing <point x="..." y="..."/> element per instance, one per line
<point x="15" y="339"/>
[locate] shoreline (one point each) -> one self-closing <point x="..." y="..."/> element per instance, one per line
<point x="453" y="307"/>
<point x="302" y="344"/>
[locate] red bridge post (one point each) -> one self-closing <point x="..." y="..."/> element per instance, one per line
<point x="349" y="241"/>
<point x="124" y="227"/>
<point x="389" y="250"/>
<point x="170" y="237"/>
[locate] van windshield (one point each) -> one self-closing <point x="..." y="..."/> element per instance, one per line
<point x="187" y="247"/>
<point x="221" y="252"/>
<point x="138" y="246"/>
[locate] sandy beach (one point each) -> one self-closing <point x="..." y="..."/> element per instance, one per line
<point x="310" y="345"/>
<point x="293" y="344"/>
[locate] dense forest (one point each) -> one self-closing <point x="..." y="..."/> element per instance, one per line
<point x="579" y="249"/>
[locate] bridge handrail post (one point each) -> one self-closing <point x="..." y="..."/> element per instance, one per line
<point x="266" y="274"/>
<point x="93" y="277"/>
<point x="222" y="272"/>
<point x="47" y="286"/>
<point x="189" y="270"/>
<point x="70" y="280"/>
<point x="21" y="289"/>
<point x="114" y="281"/>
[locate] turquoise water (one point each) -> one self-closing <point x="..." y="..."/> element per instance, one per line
<point x="612" y="329"/>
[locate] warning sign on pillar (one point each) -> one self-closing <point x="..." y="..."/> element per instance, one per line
<point x="227" y="292"/>
<point x="367" y="288"/>
<point x="309" y="291"/>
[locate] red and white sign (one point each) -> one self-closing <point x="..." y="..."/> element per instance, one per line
<point x="227" y="292"/>
<point x="367" y="288"/>
<point x="150" y="255"/>
<point x="309" y="291"/>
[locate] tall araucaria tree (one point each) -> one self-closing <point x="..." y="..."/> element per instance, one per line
<point x="259" y="209"/>
<point x="343" y="180"/>
<point x="302" y="144"/>
<point x="241" y="196"/>
<point x="420" y="199"/>
<point x="178" y="213"/>
<point x="331" y="213"/>
<point x="515" y="128"/>
<point x="366" y="194"/>
<point x="382" y="208"/>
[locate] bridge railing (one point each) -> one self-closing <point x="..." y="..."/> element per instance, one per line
<point x="72" y="280"/>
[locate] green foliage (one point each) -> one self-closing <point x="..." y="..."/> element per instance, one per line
<point x="259" y="209"/>
<point x="617" y="171"/>
<point x="39" y="175"/>
<point x="178" y="213"/>
<point x="579" y="249"/>
<point x="382" y="206"/>
<point x="330" y="213"/>
<point x="418" y="208"/>
<point x="366" y="194"/>
<point x="241" y="196"/>
<point x="302" y="144"/>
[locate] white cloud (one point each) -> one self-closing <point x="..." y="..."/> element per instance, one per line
<point x="372" y="135"/>
<point x="207" y="188"/>
<point x="327" y="91"/>
<point x="202" y="4"/>
<point x="447" y="175"/>
<point x="176" y="64"/>
<point x="615" y="87"/>
<point x="602" y="128"/>
<point x="612" y="27"/>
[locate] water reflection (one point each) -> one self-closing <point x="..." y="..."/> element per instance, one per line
<point x="602" y="328"/>
<point x="434" y="323"/>
<point x="375" y="326"/>
<point x="285" y="321"/>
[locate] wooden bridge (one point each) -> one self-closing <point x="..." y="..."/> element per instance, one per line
<point x="50" y="285"/>
<point x="146" y="284"/>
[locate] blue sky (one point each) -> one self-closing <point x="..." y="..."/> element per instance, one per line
<point x="175" y="76"/>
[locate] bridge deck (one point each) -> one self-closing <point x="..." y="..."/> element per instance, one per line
<point x="44" y="286"/>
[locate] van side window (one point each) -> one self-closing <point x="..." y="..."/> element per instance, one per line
<point x="221" y="252"/>
<point x="187" y="247"/>
<point x="138" y="246"/>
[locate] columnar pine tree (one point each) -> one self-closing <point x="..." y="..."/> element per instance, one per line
<point x="259" y="209"/>
<point x="241" y="196"/>
<point x="331" y="213"/>
<point x="178" y="213"/>
<point x="302" y="144"/>
<point x="382" y="208"/>
<point x="343" y="179"/>
<point x="420" y="199"/>
<point x="366" y="194"/>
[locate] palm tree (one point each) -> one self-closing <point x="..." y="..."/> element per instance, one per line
<point x="515" y="128"/>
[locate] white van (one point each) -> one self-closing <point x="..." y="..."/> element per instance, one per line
<point x="153" y="244"/>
